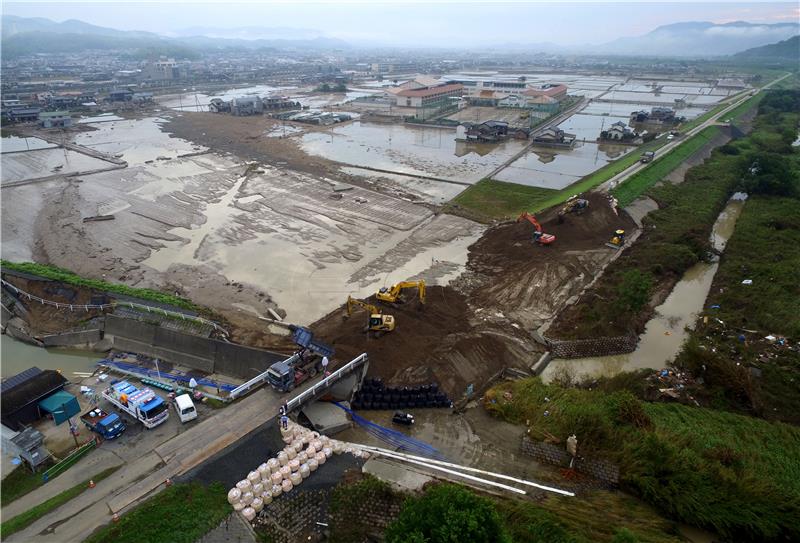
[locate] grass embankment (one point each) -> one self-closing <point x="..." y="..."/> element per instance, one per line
<point x="732" y="474"/>
<point x="27" y="518"/>
<point x="180" y="514"/>
<point x="489" y="199"/>
<point x="18" y="483"/>
<point x="641" y="181"/>
<point x="676" y="236"/>
<point x="68" y="277"/>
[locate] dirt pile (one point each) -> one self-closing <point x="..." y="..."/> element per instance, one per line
<point x="530" y="282"/>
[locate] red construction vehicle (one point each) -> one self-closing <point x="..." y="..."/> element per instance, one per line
<point x="538" y="236"/>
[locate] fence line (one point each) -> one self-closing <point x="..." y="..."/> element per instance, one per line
<point x="112" y="305"/>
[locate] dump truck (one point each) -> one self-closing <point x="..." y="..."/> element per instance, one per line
<point x="143" y="405"/>
<point x="285" y="375"/>
<point x="106" y="425"/>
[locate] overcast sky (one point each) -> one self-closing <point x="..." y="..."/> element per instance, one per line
<point x="434" y="22"/>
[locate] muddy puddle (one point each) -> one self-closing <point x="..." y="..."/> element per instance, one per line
<point x="473" y="438"/>
<point x="46" y="162"/>
<point x="13" y="144"/>
<point x="18" y="356"/>
<point x="554" y="168"/>
<point x="104" y="118"/>
<point x="425" y="151"/>
<point x="136" y="141"/>
<point x="665" y="333"/>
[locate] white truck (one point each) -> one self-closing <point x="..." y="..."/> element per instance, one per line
<point x="141" y="404"/>
<point x="184" y="406"/>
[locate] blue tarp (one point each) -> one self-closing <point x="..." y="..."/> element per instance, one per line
<point x="155" y="402"/>
<point x="62" y="405"/>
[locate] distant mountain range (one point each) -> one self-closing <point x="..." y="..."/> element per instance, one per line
<point x="38" y="35"/>
<point x="786" y="49"/>
<point x="701" y="39"/>
<point x="693" y="39"/>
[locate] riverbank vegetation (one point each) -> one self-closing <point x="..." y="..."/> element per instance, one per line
<point x="735" y="475"/>
<point x="676" y="235"/>
<point x="182" y="513"/>
<point x="65" y="276"/>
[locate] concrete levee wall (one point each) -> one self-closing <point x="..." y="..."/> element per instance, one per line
<point x="72" y="338"/>
<point x="208" y="355"/>
<point x="602" y="346"/>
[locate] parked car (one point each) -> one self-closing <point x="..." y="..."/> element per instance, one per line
<point x="184" y="406"/>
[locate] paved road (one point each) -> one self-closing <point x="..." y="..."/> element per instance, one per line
<point x="714" y="119"/>
<point x="140" y="476"/>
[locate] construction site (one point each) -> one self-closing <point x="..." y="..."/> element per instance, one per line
<point x="310" y="268"/>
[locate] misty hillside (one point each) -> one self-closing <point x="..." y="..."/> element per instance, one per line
<point x="786" y="49"/>
<point x="23" y="36"/>
<point x="701" y="39"/>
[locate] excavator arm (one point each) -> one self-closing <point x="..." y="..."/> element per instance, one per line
<point x="353" y="302"/>
<point x="538" y="235"/>
<point x="392" y="294"/>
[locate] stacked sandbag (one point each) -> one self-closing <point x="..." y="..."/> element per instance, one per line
<point x="303" y="453"/>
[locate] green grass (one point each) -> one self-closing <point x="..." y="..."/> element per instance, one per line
<point x="180" y="514"/>
<point x="489" y="199"/>
<point x="641" y="181"/>
<point x="27" y="518"/>
<point x="18" y="483"/>
<point x="736" y="113"/>
<point x="68" y="277"/>
<point x="736" y="475"/>
<point x="768" y="227"/>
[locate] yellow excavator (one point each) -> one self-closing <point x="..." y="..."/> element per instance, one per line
<point x="378" y="323"/>
<point x="392" y="295"/>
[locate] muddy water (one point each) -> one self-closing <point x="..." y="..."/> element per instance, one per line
<point x="10" y="144"/>
<point x="553" y="168"/>
<point x="18" y="356"/>
<point x="44" y="162"/>
<point x="588" y="127"/>
<point x="425" y="151"/>
<point x="198" y="101"/>
<point x="624" y="109"/>
<point x="436" y="192"/>
<point x="665" y="333"/>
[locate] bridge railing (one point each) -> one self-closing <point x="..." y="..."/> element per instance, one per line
<point x="311" y="393"/>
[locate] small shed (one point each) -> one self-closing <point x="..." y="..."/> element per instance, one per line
<point x="62" y="405"/>
<point x="55" y="119"/>
<point x="21" y="395"/>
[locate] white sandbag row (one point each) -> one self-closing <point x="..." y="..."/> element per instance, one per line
<point x="303" y="453"/>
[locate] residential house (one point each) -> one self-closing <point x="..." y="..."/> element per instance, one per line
<point x="55" y="119"/>
<point x="218" y="105"/>
<point x="554" y="136"/>
<point x="247" y="105"/>
<point x="142" y="97"/>
<point x="487" y="132"/>
<point x="120" y="95"/>
<point x="618" y="131"/>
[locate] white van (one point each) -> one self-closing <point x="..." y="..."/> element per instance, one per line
<point x="185" y="408"/>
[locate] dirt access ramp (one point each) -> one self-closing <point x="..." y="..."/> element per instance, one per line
<point x="468" y="332"/>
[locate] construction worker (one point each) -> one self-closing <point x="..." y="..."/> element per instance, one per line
<point x="325" y="366"/>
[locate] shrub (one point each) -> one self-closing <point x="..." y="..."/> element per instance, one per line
<point x="447" y="513"/>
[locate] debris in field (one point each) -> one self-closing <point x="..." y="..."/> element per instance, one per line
<point x="747" y="282"/>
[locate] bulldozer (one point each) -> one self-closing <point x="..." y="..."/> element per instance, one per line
<point x="618" y="240"/>
<point x="392" y="294"/>
<point x="378" y="323"/>
<point x="538" y="236"/>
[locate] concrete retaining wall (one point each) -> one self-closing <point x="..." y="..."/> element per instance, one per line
<point x="547" y="453"/>
<point x="601" y="346"/>
<point x="84" y="337"/>
<point x="209" y="355"/>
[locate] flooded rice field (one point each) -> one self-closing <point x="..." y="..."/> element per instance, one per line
<point x="588" y="127"/>
<point x="426" y="190"/>
<point x="554" y="168"/>
<point x="14" y="144"/>
<point x="45" y="162"/>
<point x="136" y="141"/>
<point x="667" y="330"/>
<point x="423" y="151"/>
<point x="231" y="234"/>
<point x="624" y="109"/>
